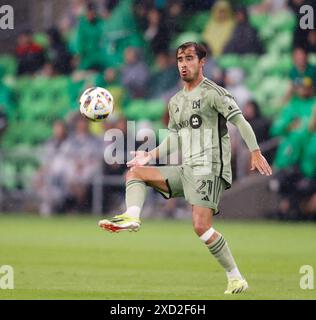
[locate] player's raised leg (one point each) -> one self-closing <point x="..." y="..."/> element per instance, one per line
<point x="137" y="178"/>
<point x="217" y="245"/>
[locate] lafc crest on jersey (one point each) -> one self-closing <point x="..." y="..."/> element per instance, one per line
<point x="196" y="104"/>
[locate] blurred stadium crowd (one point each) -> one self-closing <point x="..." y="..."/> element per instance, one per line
<point x="256" y="50"/>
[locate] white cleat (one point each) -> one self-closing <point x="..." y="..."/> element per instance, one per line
<point x="236" y="286"/>
<point x="119" y="223"/>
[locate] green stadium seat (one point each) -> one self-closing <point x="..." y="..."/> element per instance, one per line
<point x="248" y="3"/>
<point x="141" y="109"/>
<point x="267" y="63"/>
<point x="249" y="62"/>
<point x="135" y="109"/>
<point x="266" y="33"/>
<point x="281" y="43"/>
<point x="8" y="175"/>
<point x="229" y="61"/>
<point x="259" y="21"/>
<point x="41" y="39"/>
<point x="43" y="99"/>
<point x="253" y="80"/>
<point x="27" y="173"/>
<point x="283" y="20"/>
<point x="312" y="58"/>
<point x="197" y="22"/>
<point x="269" y="93"/>
<point x="155" y="109"/>
<point x="8" y="63"/>
<point x="22" y="85"/>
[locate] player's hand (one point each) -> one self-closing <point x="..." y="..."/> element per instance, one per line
<point x="141" y="158"/>
<point x="259" y="162"/>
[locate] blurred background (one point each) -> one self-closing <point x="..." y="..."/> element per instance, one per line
<point x="52" y="159"/>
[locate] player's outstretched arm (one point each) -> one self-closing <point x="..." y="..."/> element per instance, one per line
<point x="167" y="146"/>
<point x="258" y="161"/>
<point x="141" y="158"/>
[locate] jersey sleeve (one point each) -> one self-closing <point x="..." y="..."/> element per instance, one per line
<point x="226" y="105"/>
<point x="171" y="142"/>
<point x="171" y="124"/>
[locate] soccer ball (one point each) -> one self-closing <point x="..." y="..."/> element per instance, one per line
<point x="96" y="104"/>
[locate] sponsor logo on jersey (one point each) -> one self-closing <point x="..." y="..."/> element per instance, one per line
<point x="183" y="124"/>
<point x="195" y="121"/>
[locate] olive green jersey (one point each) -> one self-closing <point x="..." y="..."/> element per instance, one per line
<point x="199" y="117"/>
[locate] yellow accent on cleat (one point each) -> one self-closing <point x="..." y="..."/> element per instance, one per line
<point x="236" y="286"/>
<point x="119" y="223"/>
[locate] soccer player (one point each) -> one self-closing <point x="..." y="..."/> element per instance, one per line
<point x="197" y="118"/>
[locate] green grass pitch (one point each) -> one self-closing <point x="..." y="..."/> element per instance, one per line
<point x="71" y="258"/>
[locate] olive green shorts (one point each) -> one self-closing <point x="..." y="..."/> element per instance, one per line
<point x="199" y="187"/>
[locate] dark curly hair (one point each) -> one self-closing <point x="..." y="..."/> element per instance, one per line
<point x="200" y="50"/>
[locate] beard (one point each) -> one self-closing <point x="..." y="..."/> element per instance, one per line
<point x="189" y="77"/>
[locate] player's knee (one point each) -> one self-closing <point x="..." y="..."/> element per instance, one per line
<point x="200" y="228"/>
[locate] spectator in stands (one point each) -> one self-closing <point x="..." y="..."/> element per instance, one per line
<point x="308" y="161"/>
<point x="72" y="11"/>
<point x="291" y="126"/>
<point x="3" y="121"/>
<point x="300" y="34"/>
<point x="57" y="52"/>
<point x="211" y="70"/>
<point x="301" y="70"/>
<point x="120" y="32"/>
<point x="89" y="39"/>
<point x="295" y="183"/>
<point x="50" y="181"/>
<point x="47" y="71"/>
<point x="140" y="10"/>
<point x="30" y="55"/>
<point x="307" y="185"/>
<point x="164" y="77"/>
<point x="294" y="158"/>
<point x="244" y="38"/>
<point x="173" y="18"/>
<point x="157" y="32"/>
<point x="109" y="6"/>
<point x="84" y="159"/>
<point x="233" y="80"/>
<point x="6" y="95"/>
<point x="269" y="6"/>
<point x="134" y="73"/>
<point x="260" y="125"/>
<point x="193" y="5"/>
<point x="219" y="28"/>
<point x="285" y="184"/>
<point x="311" y="41"/>
<point x="109" y="77"/>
